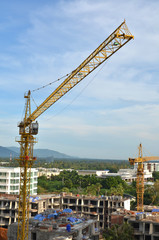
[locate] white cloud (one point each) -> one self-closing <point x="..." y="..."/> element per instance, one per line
<point x="121" y="102"/>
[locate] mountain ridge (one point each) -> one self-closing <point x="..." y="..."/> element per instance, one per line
<point x="40" y="153"/>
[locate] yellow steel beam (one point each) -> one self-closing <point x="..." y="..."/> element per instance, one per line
<point x="112" y="44"/>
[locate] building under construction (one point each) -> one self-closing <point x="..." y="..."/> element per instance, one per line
<point x="145" y="225"/>
<point x="96" y="208"/>
<point x="58" y="225"/>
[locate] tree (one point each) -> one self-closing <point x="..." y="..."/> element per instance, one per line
<point x="119" y="232"/>
<point x="68" y="183"/>
<point x="155" y="175"/>
<point x="98" y="187"/>
<point x="151" y="195"/>
<point x="65" y="189"/>
<point x="91" y="190"/>
<point x="118" y="190"/>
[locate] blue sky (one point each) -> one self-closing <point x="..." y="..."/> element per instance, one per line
<point x="111" y="111"/>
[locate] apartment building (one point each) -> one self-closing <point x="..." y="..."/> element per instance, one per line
<point x="10" y="180"/>
<point x="151" y="166"/>
<point x="97" y="208"/>
<point x="48" y="172"/>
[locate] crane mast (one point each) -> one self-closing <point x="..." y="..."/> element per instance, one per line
<point x="140" y="176"/>
<point x="28" y="127"/>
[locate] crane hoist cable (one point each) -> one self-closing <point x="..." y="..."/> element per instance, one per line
<point x="73" y="100"/>
<point x="48" y="84"/>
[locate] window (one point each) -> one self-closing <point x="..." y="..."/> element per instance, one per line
<point x="3" y="180"/>
<point x="13" y="181"/>
<point x="14" y="175"/>
<point x="33" y="236"/>
<point x="14" y="187"/>
<point x="3" y="174"/>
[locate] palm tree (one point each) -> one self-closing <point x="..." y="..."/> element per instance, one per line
<point x="98" y="187"/>
<point x="91" y="190"/>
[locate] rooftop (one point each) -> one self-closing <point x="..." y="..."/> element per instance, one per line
<point x="152" y="216"/>
<point x="60" y="224"/>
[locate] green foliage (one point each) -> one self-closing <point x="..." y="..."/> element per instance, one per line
<point x="155" y="175"/>
<point x="118" y="190"/>
<point x="151" y="194"/>
<point x="84" y="164"/>
<point x="118" y="232"/>
<point x="78" y="184"/>
<point x="111" y="182"/>
<point x="91" y="190"/>
<point x="41" y="190"/>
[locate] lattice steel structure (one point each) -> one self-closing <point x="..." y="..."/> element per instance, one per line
<point x="28" y="127"/>
<point x="140" y="176"/>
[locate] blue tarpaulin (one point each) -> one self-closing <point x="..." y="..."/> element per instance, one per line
<point x="67" y="210"/>
<point x="155" y="210"/>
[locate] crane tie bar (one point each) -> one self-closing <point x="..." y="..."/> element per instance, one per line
<point x="34" y="90"/>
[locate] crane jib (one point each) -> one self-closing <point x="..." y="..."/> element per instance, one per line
<point x="112" y="44"/>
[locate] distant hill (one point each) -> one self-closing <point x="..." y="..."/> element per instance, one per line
<point x="41" y="153"/>
<point x="6" y="152"/>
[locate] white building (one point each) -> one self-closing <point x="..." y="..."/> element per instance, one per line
<point x="48" y="172"/>
<point x="128" y="175"/>
<point x="151" y="166"/>
<point x="10" y="180"/>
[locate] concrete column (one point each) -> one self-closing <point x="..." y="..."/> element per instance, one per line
<point x="141" y="226"/>
<point x="77" y="204"/>
<point x="151" y="229"/>
<point x="80" y="235"/>
<point x="92" y="229"/>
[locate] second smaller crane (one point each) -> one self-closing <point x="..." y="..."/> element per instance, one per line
<point x="140" y="176"/>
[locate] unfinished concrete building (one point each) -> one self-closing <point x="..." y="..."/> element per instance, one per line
<point x="44" y="202"/>
<point x="145" y="225"/>
<point x="66" y="225"/>
<point x="97" y="208"/>
<point x="9" y="206"/>
<point x="8" y="209"/>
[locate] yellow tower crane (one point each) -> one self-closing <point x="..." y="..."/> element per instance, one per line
<point x="28" y="127"/>
<point x="140" y="176"/>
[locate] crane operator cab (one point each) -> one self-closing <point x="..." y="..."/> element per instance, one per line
<point x="32" y="128"/>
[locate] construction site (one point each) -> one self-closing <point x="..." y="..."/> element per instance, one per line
<point x="57" y="224"/>
<point x="145" y="225"/>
